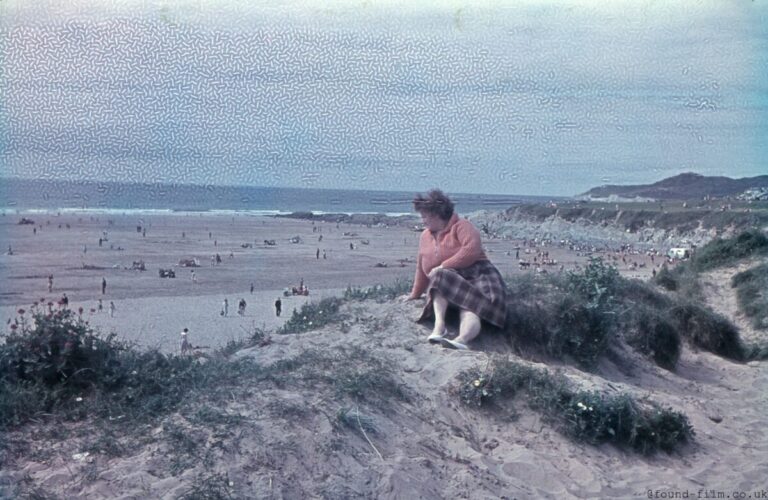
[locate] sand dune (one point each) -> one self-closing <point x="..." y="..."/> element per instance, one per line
<point x="286" y="440"/>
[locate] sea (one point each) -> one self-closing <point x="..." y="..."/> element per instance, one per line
<point x="43" y="195"/>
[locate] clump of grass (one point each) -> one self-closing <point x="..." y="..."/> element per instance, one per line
<point x="313" y="315"/>
<point x="681" y="279"/>
<point x="257" y="337"/>
<point x="584" y="415"/>
<point x="721" y="252"/>
<point x="651" y="333"/>
<point x="579" y="316"/>
<point x="573" y="317"/>
<point x="55" y="364"/>
<point x="352" y="373"/>
<point x="379" y="293"/>
<point x="708" y="330"/>
<point x="751" y="296"/>
<point x="371" y="384"/>
<point x="210" y="487"/>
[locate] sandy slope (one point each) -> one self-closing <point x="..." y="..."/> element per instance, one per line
<point x="722" y="298"/>
<point x="288" y="443"/>
<point x="283" y="439"/>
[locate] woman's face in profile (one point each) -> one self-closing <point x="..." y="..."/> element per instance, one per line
<point x="433" y="222"/>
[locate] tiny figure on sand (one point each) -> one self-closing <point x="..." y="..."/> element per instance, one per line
<point x="241" y="307"/>
<point x="278" y="307"/>
<point x="186" y="346"/>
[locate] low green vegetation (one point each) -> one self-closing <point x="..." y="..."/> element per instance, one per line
<point x="752" y="294"/>
<point x="723" y="252"/>
<point x="379" y="293"/>
<point x="580" y="316"/>
<point x="584" y="415"/>
<point x="313" y="315"/>
<point x="684" y="278"/>
<point x="55" y="364"/>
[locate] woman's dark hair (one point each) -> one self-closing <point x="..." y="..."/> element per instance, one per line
<point x="435" y="203"/>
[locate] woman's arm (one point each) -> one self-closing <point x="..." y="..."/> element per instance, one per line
<point x="471" y="247"/>
<point x="420" y="281"/>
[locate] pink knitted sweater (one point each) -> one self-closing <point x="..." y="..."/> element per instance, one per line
<point x="455" y="247"/>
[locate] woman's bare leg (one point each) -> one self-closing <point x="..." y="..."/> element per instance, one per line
<point x="469" y="326"/>
<point x="440" y="305"/>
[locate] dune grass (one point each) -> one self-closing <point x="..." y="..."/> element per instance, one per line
<point x="752" y="294"/>
<point x="579" y="316"/>
<point x="587" y="416"/>
<point x="723" y="252"/>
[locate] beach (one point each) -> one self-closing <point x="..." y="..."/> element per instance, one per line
<point x="288" y="440"/>
<point x="151" y="310"/>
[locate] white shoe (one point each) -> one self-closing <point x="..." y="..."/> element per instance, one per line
<point x="434" y="338"/>
<point x="453" y="344"/>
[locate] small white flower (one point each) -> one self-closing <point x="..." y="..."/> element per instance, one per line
<point x="310" y="322"/>
<point x="78" y="399"/>
<point x="134" y="372"/>
<point x="231" y="483"/>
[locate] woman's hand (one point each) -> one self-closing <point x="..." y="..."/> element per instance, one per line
<point x="406" y="298"/>
<point x="433" y="272"/>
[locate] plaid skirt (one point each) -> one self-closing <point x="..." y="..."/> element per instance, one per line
<point x="478" y="288"/>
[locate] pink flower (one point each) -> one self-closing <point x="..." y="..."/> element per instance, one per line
<point x="13" y="327"/>
<point x="21" y="311"/>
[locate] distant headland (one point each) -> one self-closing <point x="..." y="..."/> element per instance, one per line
<point x="685" y="186"/>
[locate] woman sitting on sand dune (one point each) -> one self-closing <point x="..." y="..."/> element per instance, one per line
<point x="454" y="271"/>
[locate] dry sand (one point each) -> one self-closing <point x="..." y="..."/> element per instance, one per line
<point x="152" y="310"/>
<point x="287" y="442"/>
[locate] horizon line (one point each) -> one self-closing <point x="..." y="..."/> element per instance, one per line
<point x="194" y="184"/>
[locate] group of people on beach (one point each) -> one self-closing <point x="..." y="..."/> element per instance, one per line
<point x="241" y="305"/>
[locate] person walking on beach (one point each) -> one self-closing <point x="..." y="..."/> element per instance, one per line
<point x="278" y="307"/>
<point x="194" y="277"/>
<point x="186" y="346"/>
<point x="241" y="307"/>
<point x="112" y="309"/>
<point x="455" y="272"/>
<point x="64" y="301"/>
<point x="103" y="285"/>
<point x="317" y="254"/>
<point x="225" y="308"/>
<point x="324" y="257"/>
<point x="100" y="307"/>
<point x="251" y="288"/>
<point x="50" y="283"/>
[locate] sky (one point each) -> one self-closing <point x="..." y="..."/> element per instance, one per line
<point x="526" y="97"/>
